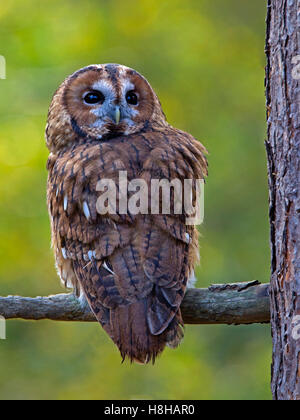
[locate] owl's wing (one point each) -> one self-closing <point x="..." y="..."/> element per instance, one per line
<point x="133" y="270"/>
<point x="170" y="245"/>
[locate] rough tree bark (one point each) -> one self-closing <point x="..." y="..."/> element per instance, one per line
<point x="283" y="149"/>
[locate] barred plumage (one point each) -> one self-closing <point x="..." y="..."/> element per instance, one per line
<point x="132" y="268"/>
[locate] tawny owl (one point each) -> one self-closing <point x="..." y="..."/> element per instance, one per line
<point x="132" y="268"/>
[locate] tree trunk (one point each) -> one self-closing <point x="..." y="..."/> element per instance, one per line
<point x="283" y="149"/>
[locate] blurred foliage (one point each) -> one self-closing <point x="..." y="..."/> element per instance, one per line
<point x="205" y="59"/>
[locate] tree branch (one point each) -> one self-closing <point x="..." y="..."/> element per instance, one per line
<point x="239" y="303"/>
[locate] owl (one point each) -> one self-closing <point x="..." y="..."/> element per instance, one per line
<point x="132" y="268"/>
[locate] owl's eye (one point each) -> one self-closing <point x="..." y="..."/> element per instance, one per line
<point x="131" y="98"/>
<point x="94" y="97"/>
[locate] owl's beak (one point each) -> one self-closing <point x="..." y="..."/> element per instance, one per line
<point x="117" y="115"/>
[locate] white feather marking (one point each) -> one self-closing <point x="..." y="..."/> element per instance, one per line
<point x="187" y="236"/>
<point x="191" y="281"/>
<point x="86" y="210"/>
<point x="64" y="253"/>
<point x="57" y="189"/>
<point x="69" y="284"/>
<point x="123" y="70"/>
<point x="82" y="299"/>
<point x="99" y="123"/>
<point x="91" y="255"/>
<point x="107" y="268"/>
<point x="64" y="275"/>
<point x="65" y="202"/>
<point x="127" y="86"/>
<point x="103" y="86"/>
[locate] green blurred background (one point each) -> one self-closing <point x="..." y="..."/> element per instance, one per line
<point x="205" y="59"/>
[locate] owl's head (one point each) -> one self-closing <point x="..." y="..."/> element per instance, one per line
<point x="100" y="102"/>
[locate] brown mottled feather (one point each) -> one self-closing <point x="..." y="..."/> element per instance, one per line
<point x="133" y="269"/>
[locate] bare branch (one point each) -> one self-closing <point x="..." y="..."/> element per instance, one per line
<point x="240" y="303"/>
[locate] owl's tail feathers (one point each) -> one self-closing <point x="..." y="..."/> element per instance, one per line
<point x="130" y="332"/>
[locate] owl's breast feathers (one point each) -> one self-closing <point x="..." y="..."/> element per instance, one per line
<point x="133" y="269"/>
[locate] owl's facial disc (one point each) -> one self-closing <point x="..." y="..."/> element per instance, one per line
<point x="109" y="100"/>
